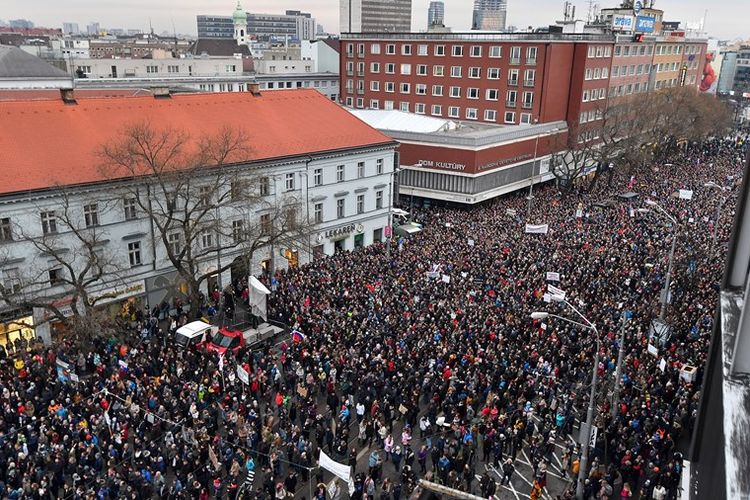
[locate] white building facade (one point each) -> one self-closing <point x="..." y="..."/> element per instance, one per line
<point x="342" y="198"/>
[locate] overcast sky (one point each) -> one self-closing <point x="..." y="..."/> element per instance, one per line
<point x="727" y="19"/>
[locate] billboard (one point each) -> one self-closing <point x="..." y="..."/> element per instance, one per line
<point x="622" y="22"/>
<point x="645" y="24"/>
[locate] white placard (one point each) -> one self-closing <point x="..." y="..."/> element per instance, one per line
<point x="446" y="278"/>
<point x="243" y="375"/>
<point x="553" y="276"/>
<point x="662" y="364"/>
<point x="471" y="243"/>
<point x="547" y="297"/>
<point x="652" y="350"/>
<point x="686" y="194"/>
<point x="553" y="290"/>
<point x="339" y="470"/>
<point x="74" y="378"/>
<point x="537" y="228"/>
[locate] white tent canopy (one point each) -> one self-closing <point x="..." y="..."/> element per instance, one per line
<point x="257" y="297"/>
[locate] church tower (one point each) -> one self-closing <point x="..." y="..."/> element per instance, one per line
<point x="240" y="25"/>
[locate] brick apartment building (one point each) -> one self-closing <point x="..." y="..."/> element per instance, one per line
<point x="486" y="77"/>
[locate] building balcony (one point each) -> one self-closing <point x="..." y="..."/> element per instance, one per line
<point x="512" y="83"/>
<point x="527" y="105"/>
<point x="349" y="72"/>
<point x="515" y="60"/>
<point x="531" y="62"/>
<point x="528" y="83"/>
<point x="361" y="91"/>
<point x="510" y="104"/>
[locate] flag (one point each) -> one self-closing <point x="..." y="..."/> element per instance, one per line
<point x="221" y="363"/>
<point x="298" y="336"/>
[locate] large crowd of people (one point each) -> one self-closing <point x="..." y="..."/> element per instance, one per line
<point x="418" y="361"/>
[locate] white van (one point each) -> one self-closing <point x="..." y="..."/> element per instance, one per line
<point x="193" y="333"/>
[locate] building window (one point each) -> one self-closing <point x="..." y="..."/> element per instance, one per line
<point x="475" y="72"/>
<point x="586" y="96"/>
<point x="152" y="69"/>
<point x="439" y="50"/>
<point x="528" y="99"/>
<point x="515" y="55"/>
<point x="526" y="118"/>
<point x="374" y="67"/>
<point x="437" y="90"/>
<point x="513" y="77"/>
<point x="476" y="51"/>
<point x="510" y="117"/>
<point x="318" y="177"/>
<point x="129" y="208"/>
<point x="491" y="94"/>
<point x="511" y="98"/>
<point x="437" y="110"/>
<point x="404" y="106"/>
<point x="490" y="115"/>
<point x="265" y="224"/>
<point x="457" y="51"/>
<point x="339" y="173"/>
<point x="360" y="169"/>
<point x="496" y="51"/>
<point x="455" y="71"/>
<point x="379" y="166"/>
<point x="238" y="231"/>
<point x="379" y="199"/>
<point x="472" y="93"/>
<point x="390" y="49"/>
<point x="406" y="49"/>
<point x="471" y="113"/>
<point x="453" y="112"/>
<point x="173" y="69"/>
<point x="421" y="50"/>
<point x="91" y="215"/>
<point x="421" y="89"/>
<point x="419" y="108"/>
<point x="493" y="73"/>
<point x="265" y="186"/>
<point x="6" y="232"/>
<point x="340" y="209"/>
<point x="318" y="212"/>
<point x="11" y="280"/>
<point x="455" y="92"/>
<point x="134" y="253"/>
<point x="174" y="240"/>
<point x="405" y="88"/>
<point x="289" y="182"/>
<point x="360" y="203"/>
<point x="531" y="55"/>
<point x="375" y="48"/>
<point x="529" y="77"/>
<point x="438" y="70"/>
<point x="589" y="73"/>
<point x="421" y="70"/>
<point x="55" y="276"/>
<point x="237" y="190"/>
<point x="390" y="68"/>
<point x="390" y="87"/>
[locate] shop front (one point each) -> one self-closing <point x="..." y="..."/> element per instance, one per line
<point x="16" y="329"/>
<point x="121" y="301"/>
<point x="169" y="292"/>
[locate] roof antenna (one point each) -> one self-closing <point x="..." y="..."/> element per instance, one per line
<point x="151" y="27"/>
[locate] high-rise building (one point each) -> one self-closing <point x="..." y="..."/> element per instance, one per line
<point x="71" y="29"/>
<point x="20" y="23"/>
<point x="292" y="24"/>
<point x="92" y="29"/>
<point x="436" y="13"/>
<point x="489" y="15"/>
<point x="375" y="16"/>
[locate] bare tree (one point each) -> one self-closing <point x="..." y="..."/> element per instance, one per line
<point x="70" y="260"/>
<point x="576" y="153"/>
<point x="200" y="199"/>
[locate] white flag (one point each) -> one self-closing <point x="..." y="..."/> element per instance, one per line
<point x="537" y="228"/>
<point x="221" y="363"/>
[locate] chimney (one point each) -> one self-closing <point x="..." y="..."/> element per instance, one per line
<point x="67" y="96"/>
<point x="254" y="88"/>
<point x="160" y="92"/>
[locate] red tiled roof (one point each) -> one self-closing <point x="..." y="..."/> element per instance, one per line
<point x="54" y="94"/>
<point x="48" y="143"/>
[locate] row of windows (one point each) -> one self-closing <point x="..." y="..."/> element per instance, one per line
<point x="590" y="116"/>
<point x="470" y="113"/>
<point x="597" y="51"/>
<point x="630" y="88"/>
<point x="288" y="85"/>
<point x="341" y="210"/>
<point x="454" y="92"/>
<point x="625" y="70"/>
<point x="633" y="50"/>
<point x="594" y="95"/>
<point x="474" y="72"/>
<point x="596" y="73"/>
<point x="406" y="49"/>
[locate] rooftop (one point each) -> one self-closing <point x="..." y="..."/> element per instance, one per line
<point x="483" y="36"/>
<point x="52" y="143"/>
<point x="419" y="128"/>
<point x="15" y="63"/>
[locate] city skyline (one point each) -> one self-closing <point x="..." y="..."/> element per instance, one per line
<point x="724" y="21"/>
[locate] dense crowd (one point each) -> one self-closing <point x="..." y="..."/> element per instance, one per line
<point x="418" y="362"/>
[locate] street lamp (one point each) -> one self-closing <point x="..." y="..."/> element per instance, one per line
<point x="723" y="189"/>
<point x="592" y="396"/>
<point x="665" y="292"/>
